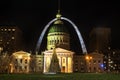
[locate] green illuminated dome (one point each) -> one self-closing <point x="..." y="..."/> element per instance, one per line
<point x="58" y="28"/>
<point x="58" y="35"/>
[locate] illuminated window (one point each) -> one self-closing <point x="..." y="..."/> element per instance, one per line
<point x="13" y="37"/>
<point x="76" y="68"/>
<point x="113" y="53"/>
<point x="7" y="42"/>
<point x="81" y="63"/>
<point x="104" y="61"/>
<point x="5" y="29"/>
<point x="9" y="29"/>
<point x="13" y="29"/>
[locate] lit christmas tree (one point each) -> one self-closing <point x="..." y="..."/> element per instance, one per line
<point x="54" y="65"/>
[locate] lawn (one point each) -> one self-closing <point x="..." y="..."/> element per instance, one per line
<point x="72" y="76"/>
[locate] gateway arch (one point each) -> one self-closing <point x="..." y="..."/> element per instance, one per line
<point x="84" y="50"/>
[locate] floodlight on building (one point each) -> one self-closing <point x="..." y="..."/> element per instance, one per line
<point x="88" y="57"/>
<point x="20" y="56"/>
<point x="28" y="58"/>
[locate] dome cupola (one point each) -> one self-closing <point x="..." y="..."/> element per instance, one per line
<point x="58" y="25"/>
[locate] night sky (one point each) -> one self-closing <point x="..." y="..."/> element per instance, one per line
<point x="31" y="16"/>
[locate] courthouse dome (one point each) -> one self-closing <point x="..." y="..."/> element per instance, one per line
<point x="58" y="28"/>
<point x="58" y="25"/>
<point x="58" y="35"/>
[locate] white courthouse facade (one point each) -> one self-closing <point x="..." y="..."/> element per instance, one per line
<point x="65" y="59"/>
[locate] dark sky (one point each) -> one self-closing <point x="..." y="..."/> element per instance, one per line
<point x="32" y="15"/>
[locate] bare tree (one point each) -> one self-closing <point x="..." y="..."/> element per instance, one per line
<point x="33" y="64"/>
<point x="5" y="60"/>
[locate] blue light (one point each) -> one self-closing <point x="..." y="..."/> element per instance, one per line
<point x="102" y="65"/>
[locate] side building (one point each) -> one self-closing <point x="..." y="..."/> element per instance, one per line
<point x="20" y="62"/>
<point x="100" y="38"/>
<point x="79" y="63"/>
<point x="24" y="62"/>
<point x="92" y="63"/>
<point x="112" y="61"/>
<point x="10" y="39"/>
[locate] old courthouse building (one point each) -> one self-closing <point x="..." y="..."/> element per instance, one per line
<point x="58" y="38"/>
<point x="58" y="57"/>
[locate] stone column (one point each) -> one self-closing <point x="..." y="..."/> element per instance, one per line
<point x="71" y="63"/>
<point x="61" y="63"/>
<point x="44" y="63"/>
<point x="67" y="64"/>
